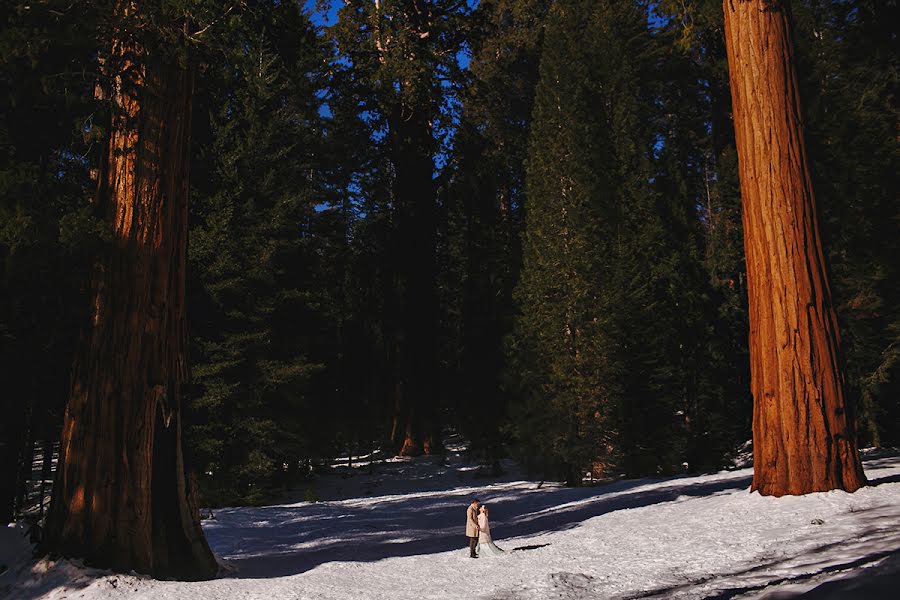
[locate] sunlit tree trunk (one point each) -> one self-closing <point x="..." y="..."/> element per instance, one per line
<point x="120" y="498"/>
<point x="804" y="436"/>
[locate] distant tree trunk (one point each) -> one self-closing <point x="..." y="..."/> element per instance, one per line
<point x="13" y="441"/>
<point x="121" y="497"/>
<point x="46" y="471"/>
<point x="7" y="490"/>
<point x="804" y="436"/>
<point x="26" y="462"/>
<point x="415" y="429"/>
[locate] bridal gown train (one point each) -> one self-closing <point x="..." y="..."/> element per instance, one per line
<point x="486" y="546"/>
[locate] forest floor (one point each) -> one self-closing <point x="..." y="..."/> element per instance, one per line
<point x="394" y="530"/>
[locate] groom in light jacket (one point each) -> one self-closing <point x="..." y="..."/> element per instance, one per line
<point x="472" y="526"/>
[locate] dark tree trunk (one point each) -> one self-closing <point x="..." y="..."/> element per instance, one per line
<point x="12" y="442"/>
<point x="7" y="477"/>
<point x="120" y="498"/>
<point x="25" y="462"/>
<point x="804" y="436"/>
<point x="415" y="427"/>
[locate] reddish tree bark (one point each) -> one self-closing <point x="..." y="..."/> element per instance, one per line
<point x="804" y="436"/>
<point x="120" y="499"/>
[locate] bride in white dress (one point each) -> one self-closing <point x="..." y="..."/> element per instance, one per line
<point x="486" y="546"/>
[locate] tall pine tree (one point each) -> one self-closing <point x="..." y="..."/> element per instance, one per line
<point x="484" y="199"/>
<point x="602" y="388"/>
<point x="259" y="315"/>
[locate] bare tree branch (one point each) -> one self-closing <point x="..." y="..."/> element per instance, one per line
<point x="194" y="37"/>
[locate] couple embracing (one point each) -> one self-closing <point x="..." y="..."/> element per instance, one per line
<point x="478" y="530"/>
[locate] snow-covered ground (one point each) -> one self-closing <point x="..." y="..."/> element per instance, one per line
<point x="398" y="534"/>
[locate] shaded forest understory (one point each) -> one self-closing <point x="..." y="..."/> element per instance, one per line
<point x="519" y="219"/>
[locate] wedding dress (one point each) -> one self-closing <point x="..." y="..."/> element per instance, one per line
<point x="486" y="546"/>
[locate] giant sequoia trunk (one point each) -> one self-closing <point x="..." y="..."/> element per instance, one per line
<point x="804" y="436"/>
<point x="121" y="498"/>
<point x="415" y="426"/>
<point x="402" y="35"/>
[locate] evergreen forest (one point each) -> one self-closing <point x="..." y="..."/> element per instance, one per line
<point x="287" y="231"/>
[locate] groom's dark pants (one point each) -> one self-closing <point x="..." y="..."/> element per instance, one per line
<point x="473" y="541"/>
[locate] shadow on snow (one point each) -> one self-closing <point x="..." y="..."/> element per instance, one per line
<point x="277" y="541"/>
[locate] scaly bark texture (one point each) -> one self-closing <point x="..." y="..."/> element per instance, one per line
<point x="804" y="436"/>
<point x="120" y="499"/>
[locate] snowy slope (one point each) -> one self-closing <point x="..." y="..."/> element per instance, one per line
<point x="684" y="537"/>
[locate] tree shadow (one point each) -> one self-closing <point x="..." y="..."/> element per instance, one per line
<point x="879" y="582"/>
<point x="280" y="541"/>
<point x="884" y="480"/>
<point x="875" y="544"/>
<point x="277" y="541"/>
<point x="30" y="586"/>
<point x="862" y="588"/>
<point x="531" y="547"/>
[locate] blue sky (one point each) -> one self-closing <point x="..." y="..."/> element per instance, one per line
<point x="321" y="18"/>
